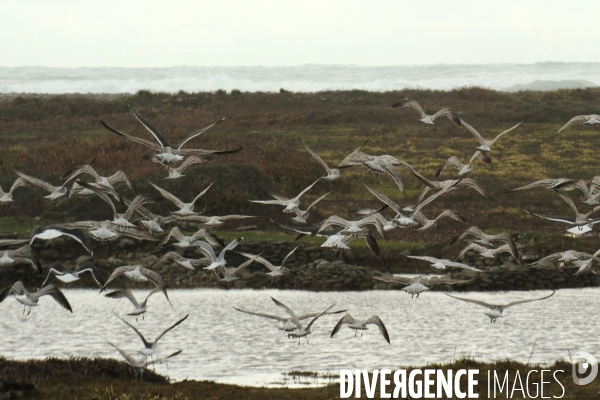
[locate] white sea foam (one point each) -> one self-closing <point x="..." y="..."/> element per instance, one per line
<point x="305" y="78"/>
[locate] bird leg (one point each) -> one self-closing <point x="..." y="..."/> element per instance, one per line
<point x="29" y="312"/>
<point x="355" y="332"/>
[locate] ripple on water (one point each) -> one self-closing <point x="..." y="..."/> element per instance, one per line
<point x="227" y="346"/>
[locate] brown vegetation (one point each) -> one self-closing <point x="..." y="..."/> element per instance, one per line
<point x="105" y="379"/>
<point x="46" y="135"/>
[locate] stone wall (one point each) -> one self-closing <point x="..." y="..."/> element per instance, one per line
<point x="311" y="268"/>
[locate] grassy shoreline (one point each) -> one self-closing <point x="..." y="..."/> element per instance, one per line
<point x="104" y="379"/>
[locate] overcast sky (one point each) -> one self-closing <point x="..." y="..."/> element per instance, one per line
<point x="70" y="33"/>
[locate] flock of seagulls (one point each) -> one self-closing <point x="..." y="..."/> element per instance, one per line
<point x="139" y="223"/>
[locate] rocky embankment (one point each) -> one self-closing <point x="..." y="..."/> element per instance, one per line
<point x="311" y="268"/>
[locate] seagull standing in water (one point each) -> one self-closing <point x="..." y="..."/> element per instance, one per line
<point x="361" y="325"/>
<point x="496" y="310"/>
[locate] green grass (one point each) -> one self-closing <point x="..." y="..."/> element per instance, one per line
<point x="21" y="225"/>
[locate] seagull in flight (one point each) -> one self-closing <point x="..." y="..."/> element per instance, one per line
<point x="139" y="273"/>
<point x="107" y="230"/>
<point x="441" y="264"/>
<point x="208" y="250"/>
<point x="332" y="173"/>
<point x="100" y="182"/>
<point x="169" y="154"/>
<point x="229" y="275"/>
<point x="184" y="262"/>
<point x="487" y="239"/>
<point x="464" y="169"/>
<point x="553" y="184"/>
<point x="53" y="231"/>
<point x="55" y="191"/>
<point x="427" y="119"/>
<point x="177" y="172"/>
<point x="496" y="310"/>
<point x="121" y="219"/>
<point x="484" y="144"/>
<point x="361" y="325"/>
<point x="140" y="308"/>
<point x="62" y="274"/>
<point x="287" y="323"/>
<point x="583" y="223"/>
<point x="141" y="364"/>
<point x="7" y="197"/>
<point x="29" y="299"/>
<point x="274" y="271"/>
<point x="490" y="253"/>
<point x="150" y="347"/>
<point x="22" y="254"/>
<point x="419" y="284"/>
<point x="289" y="204"/>
<point x="384" y="164"/>
<point x="184" y="208"/>
<point x="301" y="330"/>
<point x="184" y="241"/>
<point x="592" y="119"/>
<point x="302" y="215"/>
